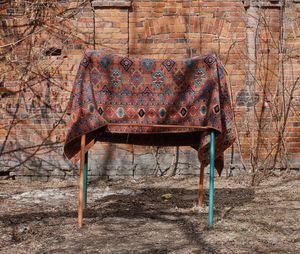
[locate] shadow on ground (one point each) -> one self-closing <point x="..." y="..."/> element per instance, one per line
<point x="145" y="204"/>
<point x="127" y="216"/>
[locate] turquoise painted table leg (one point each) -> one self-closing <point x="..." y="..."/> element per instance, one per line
<point x="211" y="179"/>
<point x="86" y="168"/>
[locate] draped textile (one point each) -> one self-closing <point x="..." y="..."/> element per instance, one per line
<point x="150" y="102"/>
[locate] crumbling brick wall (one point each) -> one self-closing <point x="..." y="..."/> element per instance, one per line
<point x="42" y="43"/>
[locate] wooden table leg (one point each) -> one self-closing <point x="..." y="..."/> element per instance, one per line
<point x="211" y="179"/>
<point x="81" y="182"/>
<point x="201" y="186"/>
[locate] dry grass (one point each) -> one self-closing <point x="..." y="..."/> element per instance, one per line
<point x="134" y="217"/>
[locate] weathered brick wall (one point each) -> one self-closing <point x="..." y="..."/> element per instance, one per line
<point x="291" y="72"/>
<point x="43" y="41"/>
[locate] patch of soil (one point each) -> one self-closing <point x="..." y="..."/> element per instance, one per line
<point x="151" y="215"/>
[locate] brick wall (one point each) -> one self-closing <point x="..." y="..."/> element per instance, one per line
<point x="43" y="41"/>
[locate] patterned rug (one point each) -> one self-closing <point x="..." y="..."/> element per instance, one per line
<point x="150" y="102"/>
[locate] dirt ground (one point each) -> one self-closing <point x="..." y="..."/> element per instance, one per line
<point x="151" y="215"/>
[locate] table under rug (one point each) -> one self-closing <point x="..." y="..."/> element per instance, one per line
<point x="150" y="102"/>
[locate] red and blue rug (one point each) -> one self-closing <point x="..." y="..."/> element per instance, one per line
<point x="150" y="102"/>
